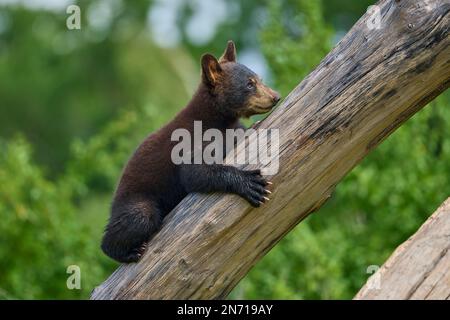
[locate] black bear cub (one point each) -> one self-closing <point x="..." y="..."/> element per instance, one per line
<point x="152" y="185"/>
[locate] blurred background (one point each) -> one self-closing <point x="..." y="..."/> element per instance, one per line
<point x="74" y="105"/>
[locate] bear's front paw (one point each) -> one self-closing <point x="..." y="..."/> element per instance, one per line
<point x="254" y="188"/>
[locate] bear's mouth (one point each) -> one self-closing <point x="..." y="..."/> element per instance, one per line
<point x="262" y="109"/>
<point x="256" y="109"/>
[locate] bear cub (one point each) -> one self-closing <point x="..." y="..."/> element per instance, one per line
<point x="152" y="185"/>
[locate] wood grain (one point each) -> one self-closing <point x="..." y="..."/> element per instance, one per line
<point x="419" y="268"/>
<point x="371" y="82"/>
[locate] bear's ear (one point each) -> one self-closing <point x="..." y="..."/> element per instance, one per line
<point x="230" y="53"/>
<point x="211" y="70"/>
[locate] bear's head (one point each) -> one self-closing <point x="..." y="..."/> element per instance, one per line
<point x="237" y="90"/>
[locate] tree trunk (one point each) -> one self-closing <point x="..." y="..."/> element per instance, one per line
<point x="372" y="82"/>
<point x="419" y="268"/>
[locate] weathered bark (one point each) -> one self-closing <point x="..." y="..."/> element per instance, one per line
<point x="371" y="83"/>
<point x="419" y="268"/>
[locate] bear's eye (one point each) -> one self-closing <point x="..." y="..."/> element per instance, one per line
<point x="250" y="84"/>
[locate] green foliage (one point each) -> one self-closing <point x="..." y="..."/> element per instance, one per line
<point x="49" y="225"/>
<point x="69" y="83"/>
<point x="294" y="40"/>
<point x="40" y="233"/>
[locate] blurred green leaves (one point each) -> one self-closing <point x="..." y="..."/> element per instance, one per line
<point x="40" y="234"/>
<point x="294" y="40"/>
<point x="58" y="83"/>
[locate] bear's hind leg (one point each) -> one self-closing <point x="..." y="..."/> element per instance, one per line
<point x="132" y="223"/>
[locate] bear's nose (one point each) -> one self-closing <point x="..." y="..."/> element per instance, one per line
<point x="276" y="97"/>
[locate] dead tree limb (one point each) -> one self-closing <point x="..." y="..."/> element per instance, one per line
<point x="419" y="268"/>
<point x="372" y="82"/>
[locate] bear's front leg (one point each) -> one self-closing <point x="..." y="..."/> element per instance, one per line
<point x="248" y="184"/>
